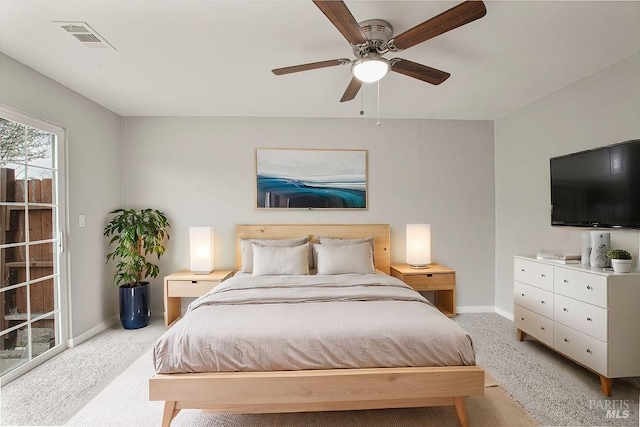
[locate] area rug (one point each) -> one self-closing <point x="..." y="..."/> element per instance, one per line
<point x="125" y="402"/>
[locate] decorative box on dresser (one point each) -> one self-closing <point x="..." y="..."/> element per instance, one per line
<point x="585" y="313"/>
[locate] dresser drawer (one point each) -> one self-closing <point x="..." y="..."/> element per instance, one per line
<point x="533" y="273"/>
<point x="534" y="324"/>
<point x="534" y="299"/>
<point x="587" y="318"/>
<point x="188" y="288"/>
<point x="427" y="281"/>
<point x="582" y="348"/>
<point x="587" y="287"/>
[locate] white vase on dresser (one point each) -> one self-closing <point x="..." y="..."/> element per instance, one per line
<point x="589" y="315"/>
<point x="600" y="245"/>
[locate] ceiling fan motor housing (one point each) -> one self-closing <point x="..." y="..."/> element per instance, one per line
<point x="378" y="33"/>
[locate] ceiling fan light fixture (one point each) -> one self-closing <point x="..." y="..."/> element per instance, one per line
<point x="369" y="70"/>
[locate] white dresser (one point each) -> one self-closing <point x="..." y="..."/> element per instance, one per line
<point x="586" y="314"/>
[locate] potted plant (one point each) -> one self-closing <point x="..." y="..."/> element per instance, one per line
<point x="620" y="260"/>
<point x="136" y="234"/>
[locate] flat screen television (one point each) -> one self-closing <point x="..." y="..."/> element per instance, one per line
<point x="597" y="188"/>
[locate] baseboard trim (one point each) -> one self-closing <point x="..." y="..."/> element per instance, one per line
<point x="72" y="342"/>
<point x="484" y="309"/>
<point x="503" y="313"/>
<point x="476" y="309"/>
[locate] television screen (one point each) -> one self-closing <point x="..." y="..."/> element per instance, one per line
<point x="597" y="188"/>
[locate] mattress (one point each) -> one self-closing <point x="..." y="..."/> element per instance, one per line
<point x="276" y="323"/>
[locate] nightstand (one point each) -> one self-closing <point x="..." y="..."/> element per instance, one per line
<point x="441" y="280"/>
<point x="186" y="284"/>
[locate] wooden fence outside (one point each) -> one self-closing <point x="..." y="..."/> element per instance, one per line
<point x="13" y="262"/>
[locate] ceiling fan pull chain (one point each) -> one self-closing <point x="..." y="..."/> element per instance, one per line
<point x="378" y="122"/>
<point x="361" y="103"/>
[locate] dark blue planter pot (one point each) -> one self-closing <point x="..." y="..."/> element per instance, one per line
<point x="135" y="307"/>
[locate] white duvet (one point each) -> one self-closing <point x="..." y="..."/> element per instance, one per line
<point x="274" y="323"/>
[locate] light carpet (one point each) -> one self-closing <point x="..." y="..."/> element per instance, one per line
<point x="51" y="393"/>
<point x="125" y="402"/>
<point x="555" y="390"/>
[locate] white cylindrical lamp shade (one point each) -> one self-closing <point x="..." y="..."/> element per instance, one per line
<point x="418" y="245"/>
<point x="201" y="250"/>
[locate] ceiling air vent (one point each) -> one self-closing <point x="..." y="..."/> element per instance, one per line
<point x="85" y="34"/>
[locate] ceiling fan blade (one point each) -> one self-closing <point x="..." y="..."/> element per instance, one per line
<point x="343" y="20"/>
<point x="453" y="18"/>
<point x="419" y="71"/>
<point x="352" y="90"/>
<point x="310" y="66"/>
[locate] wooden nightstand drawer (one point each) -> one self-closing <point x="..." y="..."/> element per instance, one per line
<point x="187" y="284"/>
<point x="429" y="282"/>
<point x="184" y="288"/>
<point x="437" y="278"/>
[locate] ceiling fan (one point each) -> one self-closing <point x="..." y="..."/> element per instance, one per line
<point x="373" y="38"/>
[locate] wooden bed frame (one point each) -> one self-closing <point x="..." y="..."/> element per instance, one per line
<point x="319" y="390"/>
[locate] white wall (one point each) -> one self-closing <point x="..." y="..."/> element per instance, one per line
<point x="601" y="109"/>
<point x="93" y="153"/>
<point x="200" y="171"/>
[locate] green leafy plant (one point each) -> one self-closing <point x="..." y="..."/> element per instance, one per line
<point x="137" y="234"/>
<point x="618" y="254"/>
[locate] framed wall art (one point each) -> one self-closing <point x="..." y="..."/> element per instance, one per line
<point x="311" y="178"/>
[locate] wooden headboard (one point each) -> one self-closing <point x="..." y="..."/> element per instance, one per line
<point x="380" y="233"/>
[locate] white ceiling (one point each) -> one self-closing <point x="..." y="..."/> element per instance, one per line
<point x="213" y="58"/>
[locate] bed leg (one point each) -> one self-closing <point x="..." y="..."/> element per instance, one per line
<point x="461" y="411"/>
<point x="169" y="412"/>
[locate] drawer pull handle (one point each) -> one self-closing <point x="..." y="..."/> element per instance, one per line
<point x="565" y="281"/>
<point x="565" y="309"/>
<point x="542" y="275"/>
<point x="429" y="275"/>
<point x="588" y="351"/>
<point x="522" y="294"/>
<point x="522" y="269"/>
<point x="566" y="340"/>
<point x="541" y="302"/>
<point x="589" y="287"/>
<point x="522" y="318"/>
<point x="542" y="327"/>
<point x="589" y="319"/>
<point x="194" y="281"/>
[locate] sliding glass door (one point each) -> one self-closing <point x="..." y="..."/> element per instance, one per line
<point x="32" y="303"/>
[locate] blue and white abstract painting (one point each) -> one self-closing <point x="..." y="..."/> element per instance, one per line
<point x="305" y="179"/>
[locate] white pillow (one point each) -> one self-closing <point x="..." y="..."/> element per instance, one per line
<point x="342" y="242"/>
<point x="247" y="252"/>
<point x="356" y="259"/>
<point x="336" y="241"/>
<point x="274" y="260"/>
